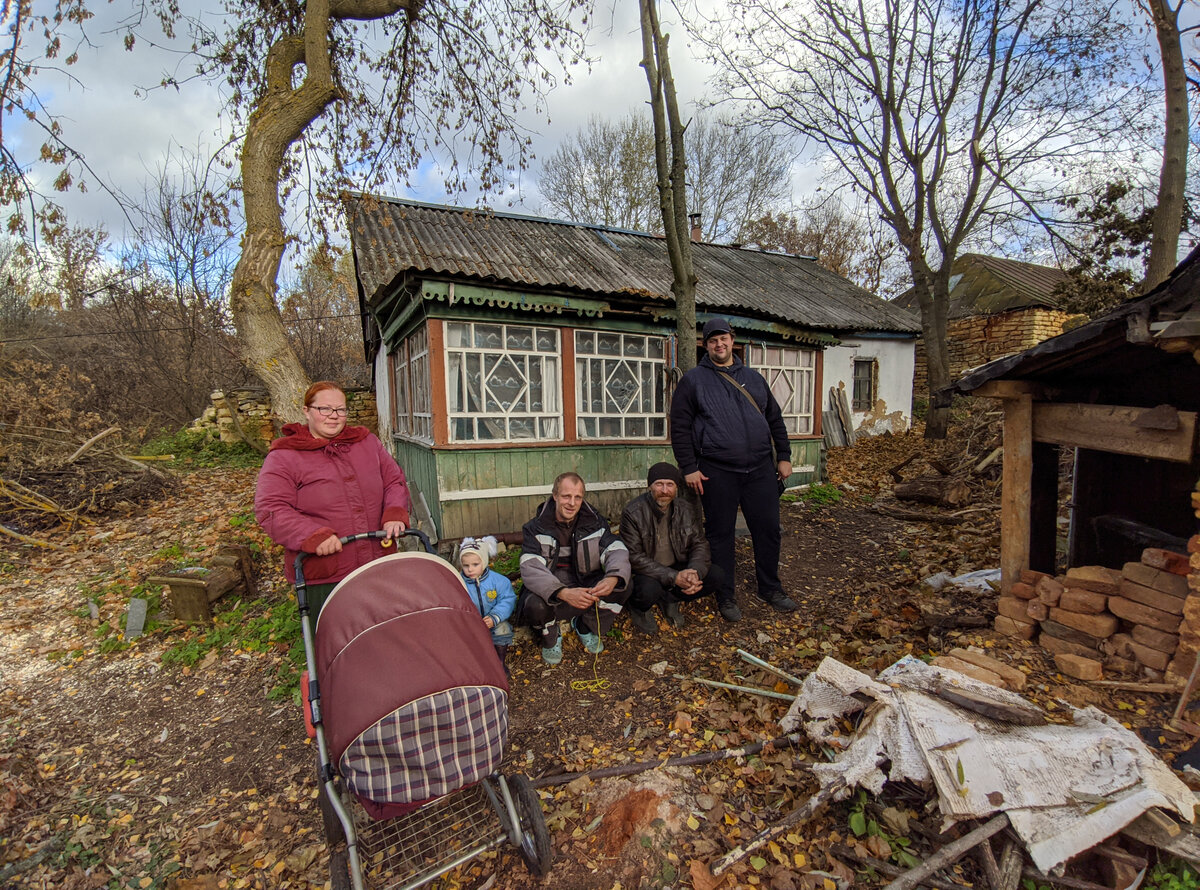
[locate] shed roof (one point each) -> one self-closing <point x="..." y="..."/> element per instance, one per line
<point x="986" y="285"/>
<point x="1113" y="346"/>
<point x="392" y="237"/>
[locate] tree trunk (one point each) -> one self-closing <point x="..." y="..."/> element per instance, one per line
<point x="671" y="163"/>
<point x="1168" y="216"/>
<point x="933" y="296"/>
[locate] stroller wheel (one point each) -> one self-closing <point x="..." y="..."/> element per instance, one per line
<point x="334" y="833"/>
<point x="339" y="870"/>
<point x="535" y="838"/>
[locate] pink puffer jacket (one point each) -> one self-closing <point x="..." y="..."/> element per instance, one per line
<point x="310" y="488"/>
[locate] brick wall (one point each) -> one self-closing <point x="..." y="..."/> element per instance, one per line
<point x="981" y="338"/>
<point x="255" y="417"/>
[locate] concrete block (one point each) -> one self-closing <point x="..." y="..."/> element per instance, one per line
<point x="1055" y="645"/>
<point x="1076" y="599"/>
<point x="1099" y="626"/>
<point x="1079" y="667"/>
<point x="983" y="675"/>
<point x="1148" y="596"/>
<point x="1096" y="578"/>
<point x="1049" y="591"/>
<point x="1013" y="678"/>
<point x="1165" y="560"/>
<point x="1155" y="639"/>
<point x="1023" y="590"/>
<point x="1139" y="613"/>
<point x="1023" y="630"/>
<point x="1155" y="578"/>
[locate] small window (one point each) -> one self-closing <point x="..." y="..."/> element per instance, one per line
<point x="866" y="381"/>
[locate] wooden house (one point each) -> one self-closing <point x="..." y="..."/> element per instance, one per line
<point x="998" y="306"/>
<point x="1122" y="392"/>
<point x="508" y="349"/>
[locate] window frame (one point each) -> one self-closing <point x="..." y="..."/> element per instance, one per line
<point x="409" y="358"/>
<point x="802" y="380"/>
<point x="634" y="426"/>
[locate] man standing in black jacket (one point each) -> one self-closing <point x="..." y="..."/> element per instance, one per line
<point x="730" y="441"/>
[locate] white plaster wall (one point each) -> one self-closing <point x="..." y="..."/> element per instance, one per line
<point x="896" y="357"/>
<point x="383" y="396"/>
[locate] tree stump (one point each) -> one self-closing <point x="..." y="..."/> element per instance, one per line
<point x="192" y="591"/>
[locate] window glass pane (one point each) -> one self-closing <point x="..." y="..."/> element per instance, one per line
<point x="608" y="344"/>
<point x="520" y="338"/>
<point x="658" y="427"/>
<point x="635" y="427"/>
<point x="635" y="345"/>
<point x="585" y="342"/>
<point x="547" y="340"/>
<point x="619" y="387"/>
<point x="488" y="336"/>
<point x="454" y="382"/>
<point x="458" y="335"/>
<point x="656" y="348"/>
<point x="550" y="428"/>
<point x="522" y="428"/>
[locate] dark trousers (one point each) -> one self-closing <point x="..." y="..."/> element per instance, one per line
<point x="543" y="617"/>
<point x="647" y="592"/>
<point x="757" y="493"/>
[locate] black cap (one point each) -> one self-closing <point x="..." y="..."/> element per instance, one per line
<point x="715" y="326"/>
<point x="664" y="470"/>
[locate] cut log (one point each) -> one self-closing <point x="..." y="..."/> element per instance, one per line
<point x="942" y="491"/>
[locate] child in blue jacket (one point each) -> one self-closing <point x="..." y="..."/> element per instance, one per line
<point x="491" y="592"/>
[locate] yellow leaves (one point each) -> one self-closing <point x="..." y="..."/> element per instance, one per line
<point x="693" y="823"/>
<point x="730" y="819"/>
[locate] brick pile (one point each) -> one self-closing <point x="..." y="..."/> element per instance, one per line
<point x="255" y="416"/>
<point x="1131" y="621"/>
<point x="1180" y="667"/>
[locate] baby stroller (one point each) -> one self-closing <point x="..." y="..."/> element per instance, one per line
<point x="408" y="704"/>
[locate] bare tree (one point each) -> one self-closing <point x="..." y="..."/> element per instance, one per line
<point x="671" y="164"/>
<point x="338" y="94"/>
<point x="604" y="174"/>
<point x="952" y="119"/>
<point x="1172" y="180"/>
<point x="322" y="317"/>
<point x="823" y="229"/>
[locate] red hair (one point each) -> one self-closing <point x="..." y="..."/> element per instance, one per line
<point x="319" y="387"/>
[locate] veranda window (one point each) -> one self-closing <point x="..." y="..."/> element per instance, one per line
<point x="790" y="372"/>
<point x="619" y="386"/>
<point x="502" y="382"/>
<point x="412" y="399"/>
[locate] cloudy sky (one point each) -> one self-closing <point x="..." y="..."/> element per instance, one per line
<point x="113" y="109"/>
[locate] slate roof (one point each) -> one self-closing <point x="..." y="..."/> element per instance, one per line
<point x="987" y="285"/>
<point x="392" y="237"/>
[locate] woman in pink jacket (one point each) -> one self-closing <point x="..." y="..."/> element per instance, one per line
<point x="323" y="480"/>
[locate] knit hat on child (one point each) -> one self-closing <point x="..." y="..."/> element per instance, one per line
<point x="484" y="548"/>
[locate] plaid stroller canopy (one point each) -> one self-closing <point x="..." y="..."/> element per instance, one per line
<point x="415" y="700"/>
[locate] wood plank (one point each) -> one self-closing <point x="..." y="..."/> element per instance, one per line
<point x="1043" y="507"/>
<point x="566" y="341"/>
<point x="437" y="380"/>
<point x="1007" y="389"/>
<point x="1016" y="481"/>
<point x="1112" y="428"/>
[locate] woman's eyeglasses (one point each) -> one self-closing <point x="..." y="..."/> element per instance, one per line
<point x="326" y="411"/>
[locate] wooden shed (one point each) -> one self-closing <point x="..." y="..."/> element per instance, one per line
<point x="1122" y="392"/>
<point x="508" y="349"/>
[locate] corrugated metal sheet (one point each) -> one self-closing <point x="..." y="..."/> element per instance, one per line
<point x="987" y="285"/>
<point x="392" y="237"/>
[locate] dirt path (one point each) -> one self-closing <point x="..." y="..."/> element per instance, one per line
<point x="121" y="770"/>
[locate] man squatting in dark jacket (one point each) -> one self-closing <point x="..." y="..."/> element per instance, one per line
<point x="667" y="550"/>
<point x="731" y="443"/>
<point x="572" y="566"/>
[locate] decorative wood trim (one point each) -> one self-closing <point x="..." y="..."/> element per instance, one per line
<point x="437" y="380"/>
<point x="1016" y="488"/>
<point x="1112" y="428"/>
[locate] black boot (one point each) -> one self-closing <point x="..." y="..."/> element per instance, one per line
<point x="643" y="621"/>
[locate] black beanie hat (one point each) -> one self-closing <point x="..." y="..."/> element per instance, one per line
<point x="664" y="470"/>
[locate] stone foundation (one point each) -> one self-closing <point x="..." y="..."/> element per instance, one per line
<point x="254" y="414"/>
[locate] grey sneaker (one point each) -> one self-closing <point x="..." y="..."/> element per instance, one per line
<point x="643" y="621"/>
<point x="591" y="642"/>
<point x="671" y="610"/>
<point x="553" y="655"/>
<point x="729" y="610"/>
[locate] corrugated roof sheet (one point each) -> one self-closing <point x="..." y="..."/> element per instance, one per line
<point x="988" y="284"/>
<point x="392" y="237"/>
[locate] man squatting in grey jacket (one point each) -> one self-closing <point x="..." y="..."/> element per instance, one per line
<point x="667" y="550"/>
<point x="572" y="566"/>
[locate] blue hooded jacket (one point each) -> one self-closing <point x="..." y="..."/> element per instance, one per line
<point x="493" y="594"/>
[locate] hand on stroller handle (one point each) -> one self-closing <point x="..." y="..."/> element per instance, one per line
<point x="378" y="535"/>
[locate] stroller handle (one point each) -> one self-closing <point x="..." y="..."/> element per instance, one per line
<point x="379" y="535"/>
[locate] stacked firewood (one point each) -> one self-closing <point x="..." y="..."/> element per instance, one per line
<point x="1092" y="618"/>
